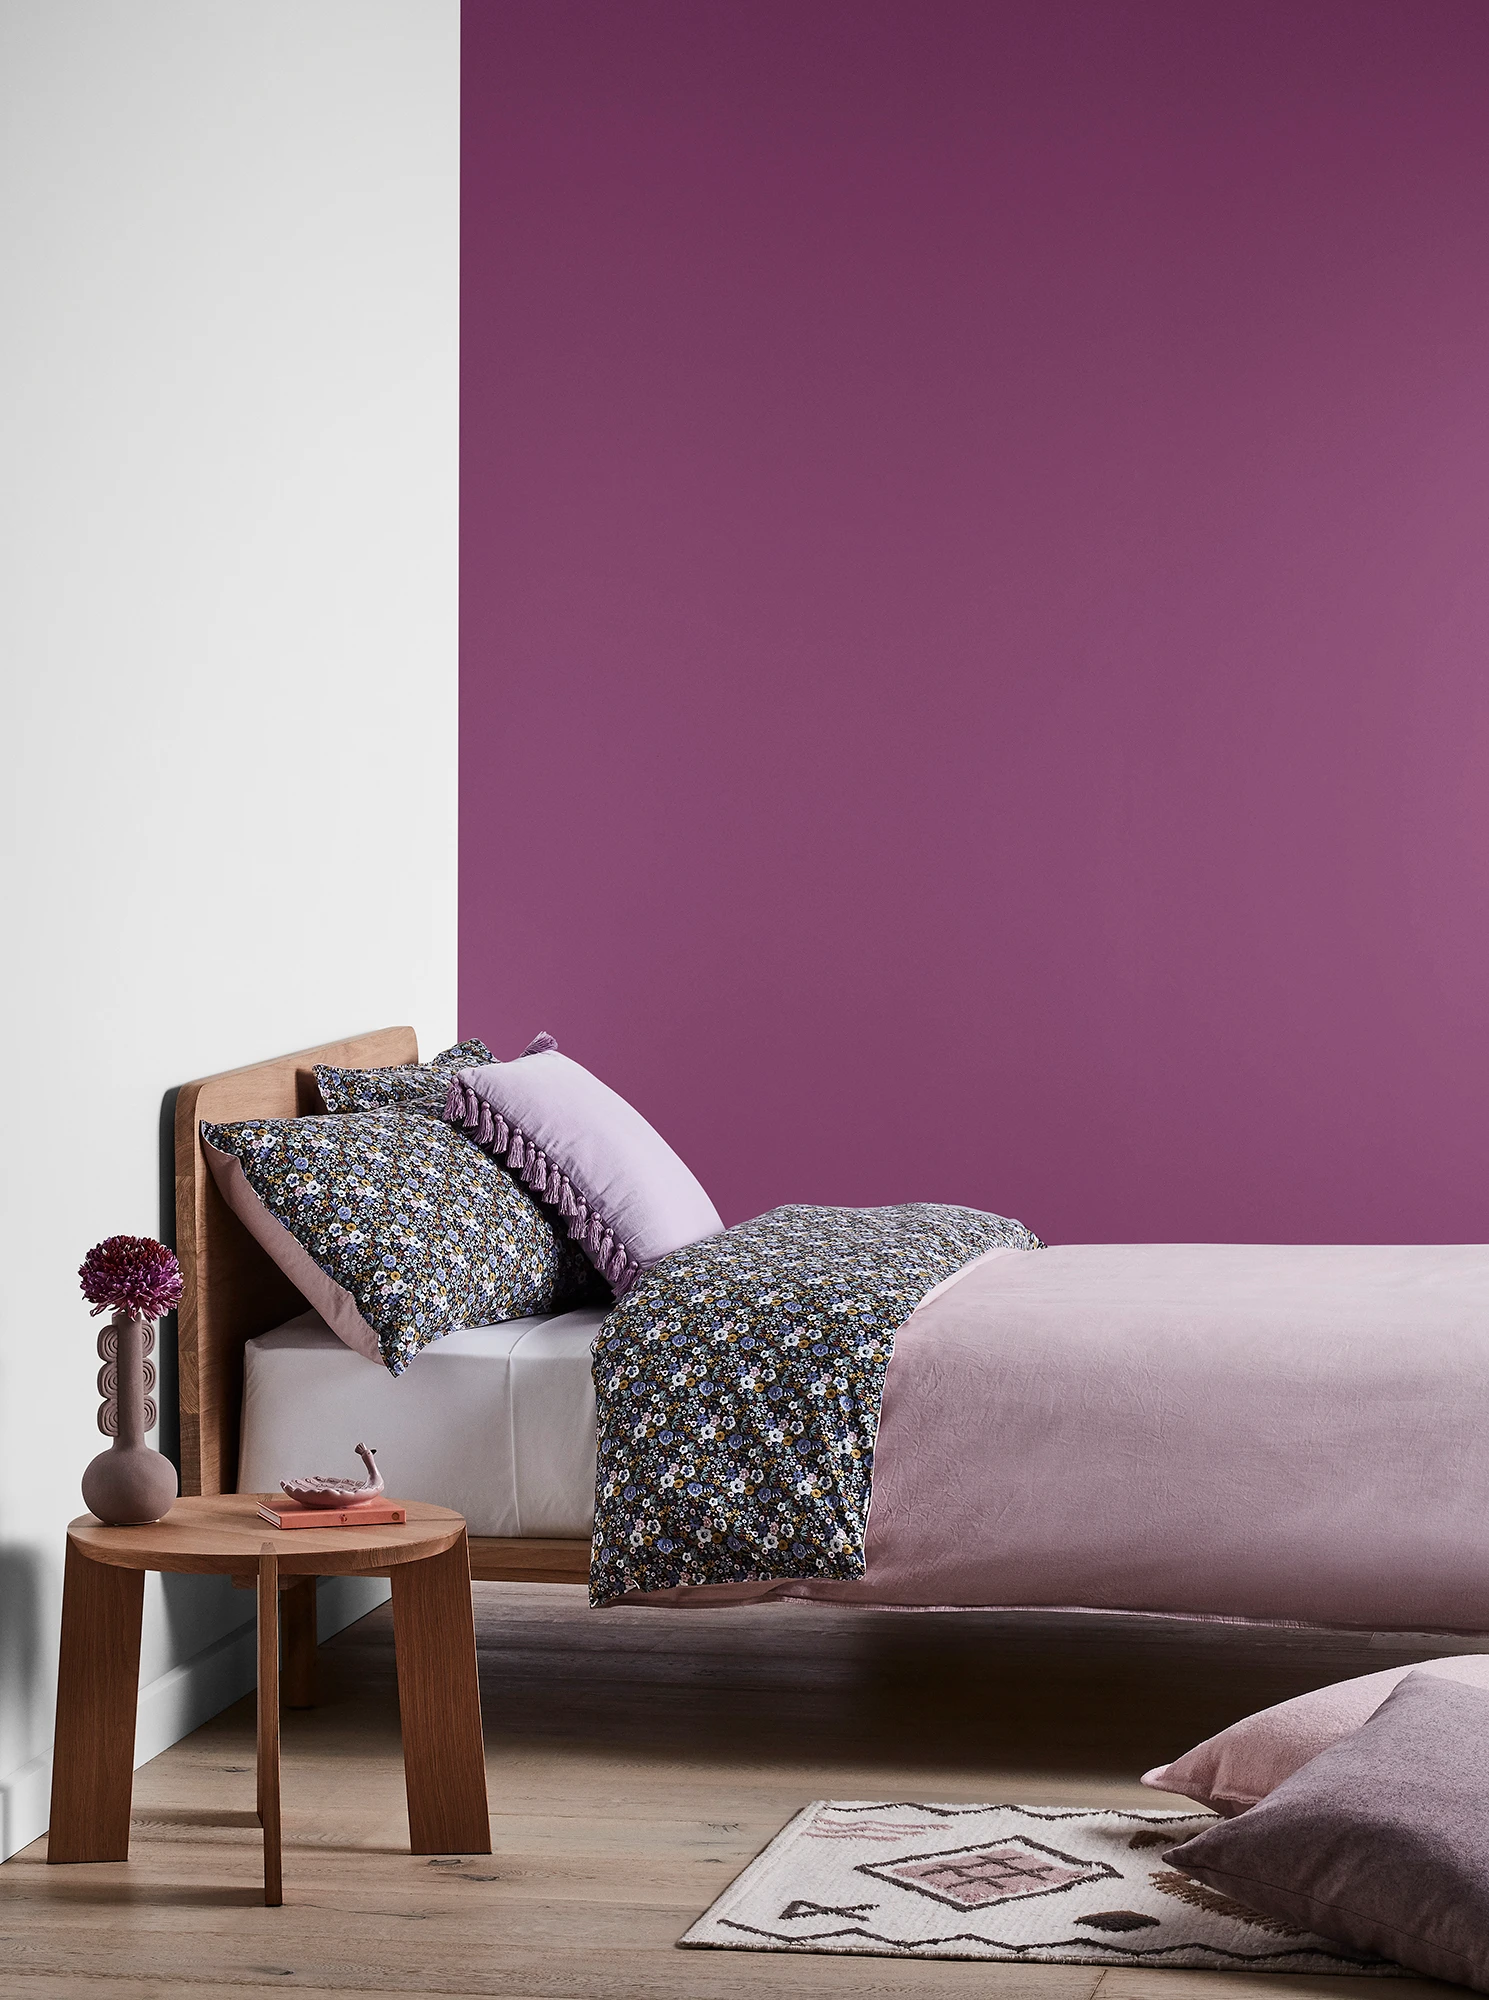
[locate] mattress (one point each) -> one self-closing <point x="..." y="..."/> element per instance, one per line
<point x="1270" y="1432"/>
<point x="497" y="1422"/>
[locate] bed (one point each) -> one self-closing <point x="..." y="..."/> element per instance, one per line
<point x="1293" y="1434"/>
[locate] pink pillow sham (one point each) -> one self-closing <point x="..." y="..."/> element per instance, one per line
<point x="1241" y="1765"/>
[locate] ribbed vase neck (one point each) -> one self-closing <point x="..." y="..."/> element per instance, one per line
<point x="132" y="1333"/>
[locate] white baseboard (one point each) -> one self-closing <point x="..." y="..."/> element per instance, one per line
<point x="181" y="1700"/>
<point x="25" y="1798"/>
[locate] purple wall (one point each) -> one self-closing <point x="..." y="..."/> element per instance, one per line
<point x="976" y="611"/>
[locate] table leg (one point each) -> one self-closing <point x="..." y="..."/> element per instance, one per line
<point x="97" y="1690"/>
<point x="268" y="1723"/>
<point x="297" y="1618"/>
<point x="439" y="1701"/>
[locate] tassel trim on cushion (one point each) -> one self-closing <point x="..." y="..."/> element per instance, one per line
<point x="471" y="1112"/>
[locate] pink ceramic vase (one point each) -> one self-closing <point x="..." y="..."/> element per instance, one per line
<point x="129" y="1483"/>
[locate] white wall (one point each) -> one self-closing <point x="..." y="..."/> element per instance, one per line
<point x="228" y="424"/>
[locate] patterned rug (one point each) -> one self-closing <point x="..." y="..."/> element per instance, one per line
<point x="1038" y="1885"/>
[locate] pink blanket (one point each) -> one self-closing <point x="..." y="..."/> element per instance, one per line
<point x="1227" y="1430"/>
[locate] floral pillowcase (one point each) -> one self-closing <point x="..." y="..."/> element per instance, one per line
<point x="412" y="1086"/>
<point x="394" y="1226"/>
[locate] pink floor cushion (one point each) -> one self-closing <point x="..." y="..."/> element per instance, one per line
<point x="1380" y="1842"/>
<point x="1231" y="1771"/>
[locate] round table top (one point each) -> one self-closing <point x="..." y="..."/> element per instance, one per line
<point x="224" y="1534"/>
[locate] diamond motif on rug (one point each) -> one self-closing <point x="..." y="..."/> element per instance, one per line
<point x="1030" y="1885"/>
<point x="974" y="1878"/>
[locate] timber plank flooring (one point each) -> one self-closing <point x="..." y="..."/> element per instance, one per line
<point x="636" y="1760"/>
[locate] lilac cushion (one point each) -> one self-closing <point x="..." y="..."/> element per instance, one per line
<point x="622" y="1192"/>
<point x="1231" y="1771"/>
<point x="1381" y="1842"/>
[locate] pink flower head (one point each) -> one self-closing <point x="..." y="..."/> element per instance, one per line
<point x="132" y="1274"/>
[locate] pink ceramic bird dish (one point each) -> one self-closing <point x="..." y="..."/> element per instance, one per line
<point x="320" y="1490"/>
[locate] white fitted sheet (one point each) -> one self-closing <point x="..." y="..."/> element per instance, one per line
<point x="495" y="1421"/>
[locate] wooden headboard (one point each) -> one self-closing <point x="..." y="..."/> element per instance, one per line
<point x="232" y="1291"/>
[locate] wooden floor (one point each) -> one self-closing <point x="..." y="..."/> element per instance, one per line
<point x="637" y="1760"/>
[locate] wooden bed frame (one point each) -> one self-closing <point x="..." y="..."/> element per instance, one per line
<point x="233" y="1291"/>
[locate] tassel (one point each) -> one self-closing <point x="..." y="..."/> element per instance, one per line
<point x="454" y="1111"/>
<point x="536" y="1174"/>
<point x="503" y="1133"/>
<point x="539" y="1045"/>
<point x="515" y="1153"/>
<point x="485" y="1129"/>
<point x="566" y="1206"/>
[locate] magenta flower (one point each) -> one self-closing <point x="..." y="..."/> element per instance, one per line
<point x="132" y="1274"/>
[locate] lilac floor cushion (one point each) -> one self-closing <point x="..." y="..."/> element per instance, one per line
<point x="1231" y="1771"/>
<point x="1381" y="1842"/>
<point x="621" y="1191"/>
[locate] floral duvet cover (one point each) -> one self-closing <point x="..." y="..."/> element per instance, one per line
<point x="738" y="1387"/>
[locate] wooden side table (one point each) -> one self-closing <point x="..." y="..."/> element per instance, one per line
<point x="223" y="1535"/>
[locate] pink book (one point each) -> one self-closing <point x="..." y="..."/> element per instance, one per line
<point x="372" y="1514"/>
